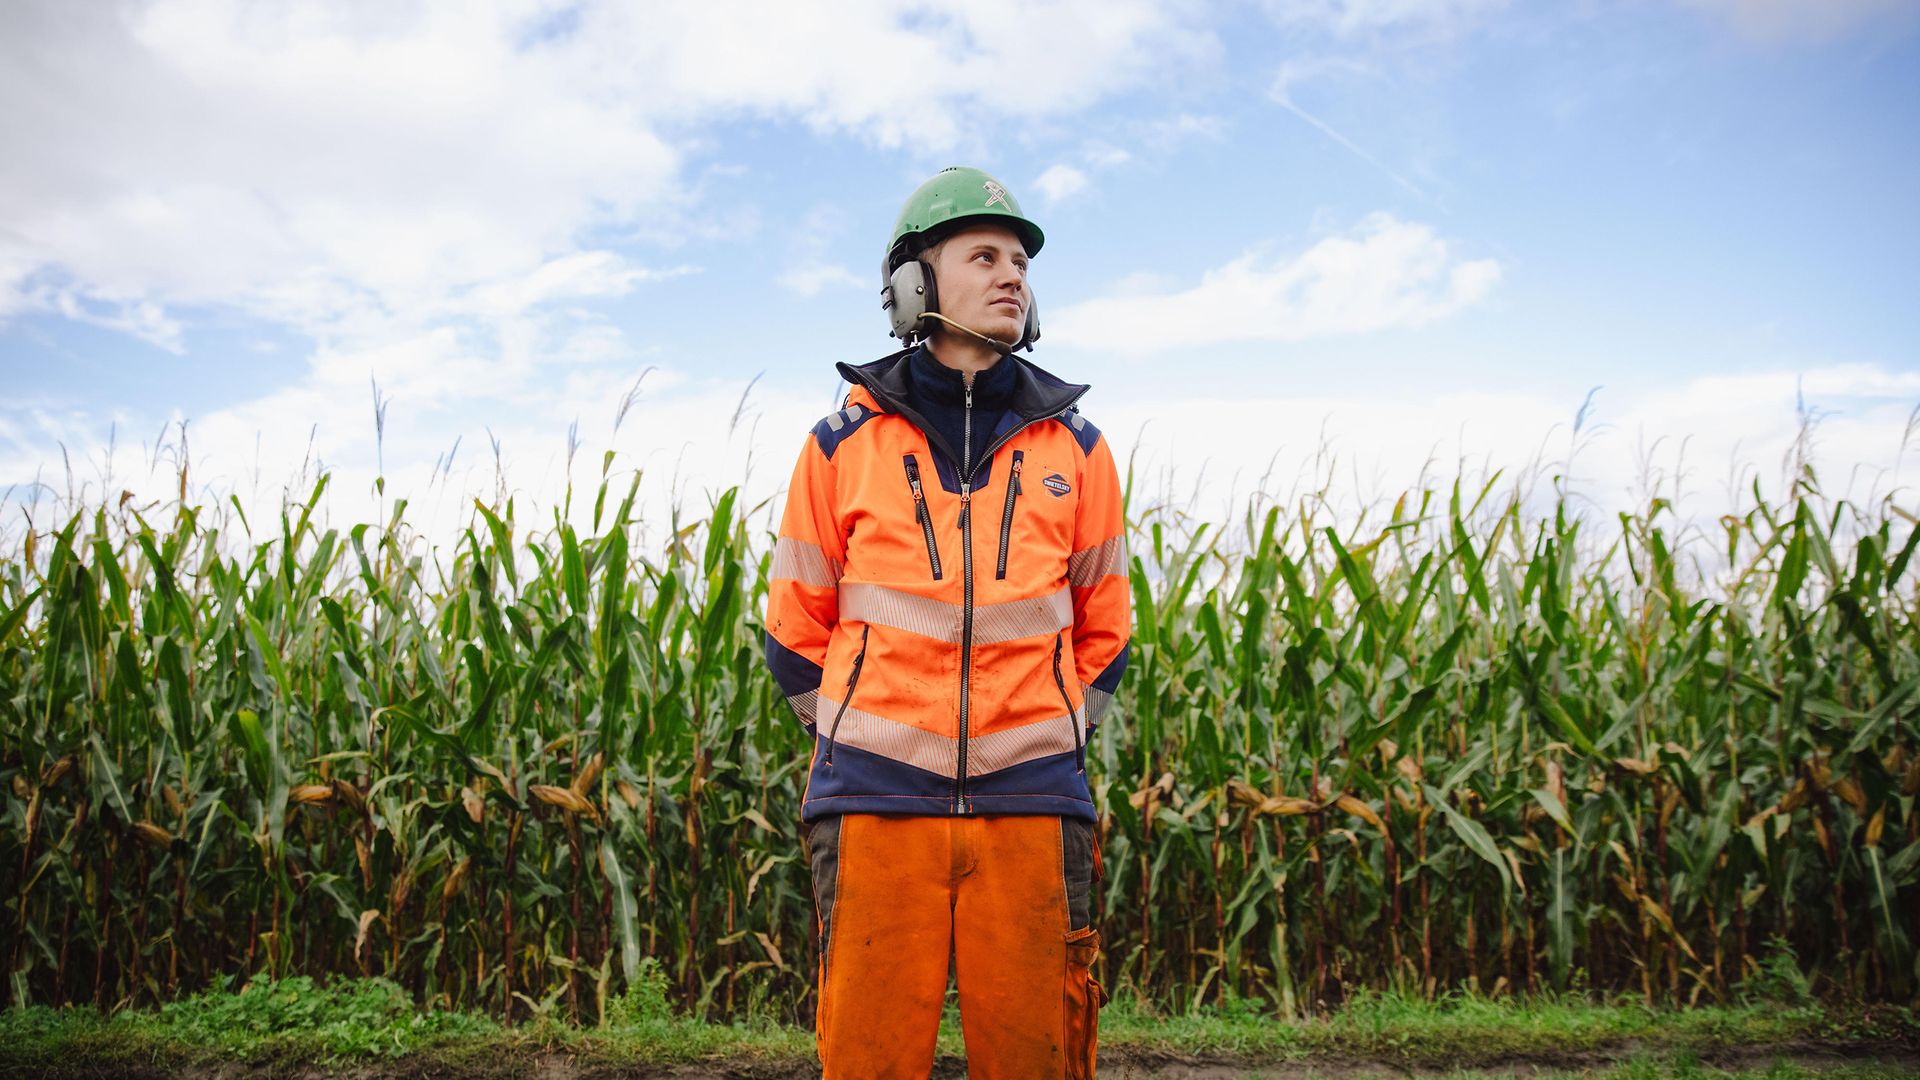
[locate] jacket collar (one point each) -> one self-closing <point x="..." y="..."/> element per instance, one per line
<point x="1037" y="393"/>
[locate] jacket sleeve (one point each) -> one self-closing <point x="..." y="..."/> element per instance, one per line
<point x="803" y="599"/>
<point x="1097" y="574"/>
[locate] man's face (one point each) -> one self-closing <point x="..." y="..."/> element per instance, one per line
<point x="981" y="273"/>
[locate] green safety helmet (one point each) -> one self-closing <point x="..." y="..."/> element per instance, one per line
<point x="956" y="196"/>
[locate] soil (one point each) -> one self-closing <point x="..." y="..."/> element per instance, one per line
<point x="1121" y="1063"/>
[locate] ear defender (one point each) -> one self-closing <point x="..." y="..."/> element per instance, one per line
<point x="908" y="297"/>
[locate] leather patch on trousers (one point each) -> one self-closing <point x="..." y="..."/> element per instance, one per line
<point x="1076" y="870"/>
<point x="823" y="853"/>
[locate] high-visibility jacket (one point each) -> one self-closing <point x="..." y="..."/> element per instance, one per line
<point x="950" y="622"/>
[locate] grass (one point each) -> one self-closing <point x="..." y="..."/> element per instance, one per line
<point x="294" y="1025"/>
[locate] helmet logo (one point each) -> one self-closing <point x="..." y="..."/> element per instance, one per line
<point x="996" y="194"/>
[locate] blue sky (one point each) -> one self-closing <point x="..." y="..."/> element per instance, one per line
<point x="1398" y="228"/>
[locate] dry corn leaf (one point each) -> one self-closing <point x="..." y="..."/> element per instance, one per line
<point x="1849" y="789"/>
<point x="367" y="918"/>
<point x="584" y="782"/>
<point x="366" y="860"/>
<point x="310" y="794"/>
<point x="153" y="835"/>
<point x="1360" y="810"/>
<point x="564" y="798"/>
<point x="57" y="771"/>
<point x="349" y="795"/>
<point x="455" y="879"/>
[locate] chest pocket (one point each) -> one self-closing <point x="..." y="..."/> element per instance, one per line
<point x="1036" y="514"/>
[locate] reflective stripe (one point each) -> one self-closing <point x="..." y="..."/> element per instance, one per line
<point x="1087" y="566"/>
<point x="1097" y="702"/>
<point x="907" y="611"/>
<point x="940" y="620"/>
<point x="936" y="753"/>
<point x="1016" y="619"/>
<point x="892" y="739"/>
<point x="806" y="706"/>
<point x="804" y="562"/>
<point x="1002" y="749"/>
<point x="841" y="419"/>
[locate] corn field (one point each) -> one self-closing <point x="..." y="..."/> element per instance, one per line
<point x="1455" y="747"/>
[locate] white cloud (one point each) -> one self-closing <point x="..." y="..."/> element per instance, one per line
<point x="1060" y="182"/>
<point x="1700" y="443"/>
<point x="441" y="390"/>
<point x="1386" y="273"/>
<point x="1790" y="20"/>
<point x="335" y="168"/>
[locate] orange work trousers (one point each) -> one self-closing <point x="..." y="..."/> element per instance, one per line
<point x="1010" y="897"/>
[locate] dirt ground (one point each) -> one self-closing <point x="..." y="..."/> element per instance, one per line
<point x="1115" y="1064"/>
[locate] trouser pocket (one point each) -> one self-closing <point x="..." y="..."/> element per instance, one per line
<point x="821" y="840"/>
<point x="1083" y="999"/>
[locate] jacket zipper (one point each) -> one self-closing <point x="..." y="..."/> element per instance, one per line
<point x="1059" y="680"/>
<point x="961" y="804"/>
<point x="926" y="517"/>
<point x="1006" y="515"/>
<point x="853" y="679"/>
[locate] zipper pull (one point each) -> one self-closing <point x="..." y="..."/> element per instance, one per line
<point x="917" y="496"/>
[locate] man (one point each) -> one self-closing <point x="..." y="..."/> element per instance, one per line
<point x="948" y="616"/>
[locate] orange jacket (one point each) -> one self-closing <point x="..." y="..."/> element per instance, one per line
<point x="950" y="637"/>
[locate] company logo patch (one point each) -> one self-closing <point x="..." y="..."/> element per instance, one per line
<point x="995" y="194"/>
<point x="1057" y="484"/>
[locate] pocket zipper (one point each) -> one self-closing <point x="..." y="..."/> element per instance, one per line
<point x="853" y="679"/>
<point x="1079" y="748"/>
<point x="925" y="516"/>
<point x="1006" y="515"/>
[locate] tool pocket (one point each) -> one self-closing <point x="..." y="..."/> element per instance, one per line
<point x="1084" y="996"/>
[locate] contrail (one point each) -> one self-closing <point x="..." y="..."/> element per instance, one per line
<point x="1330" y="133"/>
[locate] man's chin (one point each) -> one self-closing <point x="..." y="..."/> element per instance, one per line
<point x="1005" y="331"/>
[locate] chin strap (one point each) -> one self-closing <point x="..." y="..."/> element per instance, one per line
<point x="995" y="344"/>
